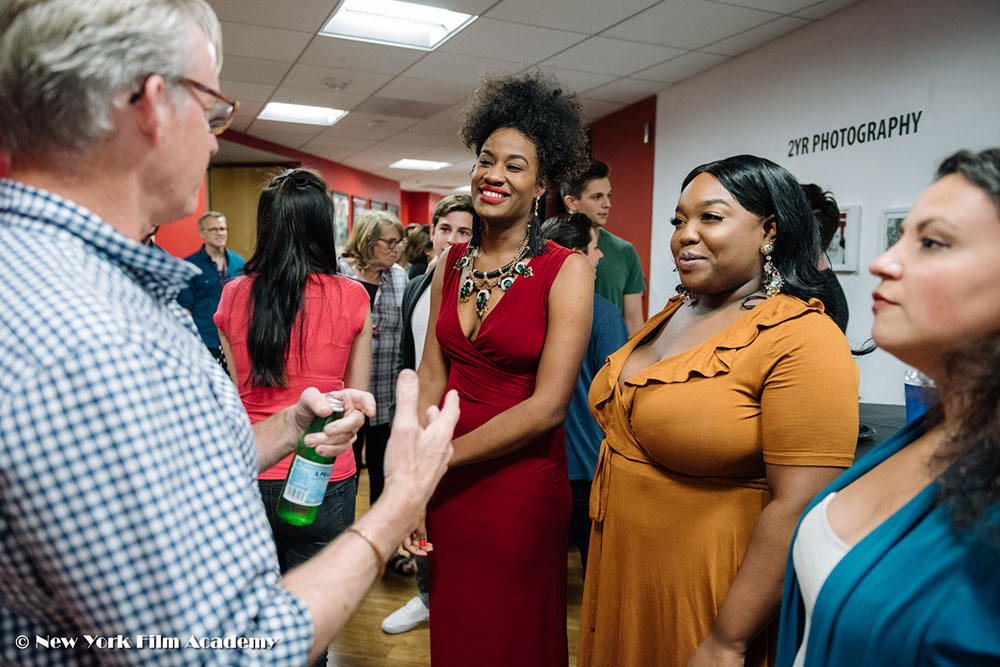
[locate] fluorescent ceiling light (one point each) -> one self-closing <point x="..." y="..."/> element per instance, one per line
<point x="466" y="189"/>
<point x="395" y="23"/>
<point x="420" y="165"/>
<point x="298" y="113"/>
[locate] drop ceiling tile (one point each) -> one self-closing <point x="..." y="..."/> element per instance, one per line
<point x="313" y="77"/>
<point x="365" y="126"/>
<point x="474" y="7"/>
<point x="425" y="90"/>
<point x="300" y="15"/>
<point x="416" y="142"/>
<point x="317" y="98"/>
<point x="688" y="24"/>
<point x="490" y="38"/>
<point x="443" y="123"/>
<point x="349" y="54"/>
<point x="459" y="69"/>
<point x="245" y="115"/>
<point x="251" y="41"/>
<point x="281" y="137"/>
<point x="253" y="70"/>
<point x="453" y="154"/>
<point x="336" y="148"/>
<point x="602" y="55"/>
<point x="823" y="9"/>
<point x="597" y="109"/>
<point x="680" y="67"/>
<point x="777" y="6"/>
<point x="368" y="160"/>
<point x="579" y="81"/>
<point x="291" y="129"/>
<point x="755" y="37"/>
<point x="233" y="153"/>
<point x="590" y="18"/>
<point x="625" y="91"/>
<point x="246" y="92"/>
<point x="331" y="152"/>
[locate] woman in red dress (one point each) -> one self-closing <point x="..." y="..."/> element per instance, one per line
<point x="512" y="320"/>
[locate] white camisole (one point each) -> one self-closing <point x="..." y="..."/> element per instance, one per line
<point x="815" y="553"/>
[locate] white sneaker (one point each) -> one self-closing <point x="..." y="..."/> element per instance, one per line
<point x="407" y="617"/>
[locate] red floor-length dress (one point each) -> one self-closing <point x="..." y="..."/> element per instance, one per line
<point x="499" y="527"/>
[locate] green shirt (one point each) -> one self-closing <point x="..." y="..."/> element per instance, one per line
<point x="619" y="271"/>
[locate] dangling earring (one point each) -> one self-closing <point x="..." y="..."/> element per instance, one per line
<point x="772" y="280"/>
<point x="534" y="209"/>
<point x="686" y="295"/>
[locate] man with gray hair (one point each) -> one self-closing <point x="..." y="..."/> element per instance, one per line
<point x="131" y="527"/>
<point x="218" y="265"/>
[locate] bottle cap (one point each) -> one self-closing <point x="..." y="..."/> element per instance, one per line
<point x="338" y="405"/>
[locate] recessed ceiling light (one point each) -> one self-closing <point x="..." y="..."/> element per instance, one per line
<point x="395" y="23"/>
<point x="299" y="113"/>
<point x="420" y="165"/>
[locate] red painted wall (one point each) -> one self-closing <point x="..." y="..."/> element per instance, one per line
<point x="338" y="176"/>
<point x="180" y="238"/>
<point x="4" y="166"/>
<point x="618" y="141"/>
<point x="418" y="207"/>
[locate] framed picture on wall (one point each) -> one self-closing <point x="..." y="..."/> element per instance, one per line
<point x="842" y="253"/>
<point x="341" y="217"/>
<point x="378" y="205"/>
<point x="892" y="227"/>
<point x="393" y="208"/>
<point x="358" y="206"/>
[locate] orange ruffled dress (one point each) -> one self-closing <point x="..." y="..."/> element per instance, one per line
<point x="681" y="481"/>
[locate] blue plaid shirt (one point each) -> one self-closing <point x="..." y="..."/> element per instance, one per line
<point x="128" y="471"/>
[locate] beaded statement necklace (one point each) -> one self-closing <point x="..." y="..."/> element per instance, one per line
<point x="484" y="283"/>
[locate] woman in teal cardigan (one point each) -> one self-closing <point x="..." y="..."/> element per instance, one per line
<point x="897" y="562"/>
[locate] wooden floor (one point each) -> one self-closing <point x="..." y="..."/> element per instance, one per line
<point x="363" y="644"/>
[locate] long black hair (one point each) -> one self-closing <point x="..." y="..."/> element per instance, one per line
<point x="294" y="239"/>
<point x="970" y="487"/>
<point x="768" y="189"/>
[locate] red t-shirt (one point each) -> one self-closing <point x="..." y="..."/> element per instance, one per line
<point x="334" y="309"/>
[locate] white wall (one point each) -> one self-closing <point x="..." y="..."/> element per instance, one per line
<point x="873" y="60"/>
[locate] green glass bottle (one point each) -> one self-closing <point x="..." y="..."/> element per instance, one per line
<point x="308" y="475"/>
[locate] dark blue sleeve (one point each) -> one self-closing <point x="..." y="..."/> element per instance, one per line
<point x="186" y="296"/>
<point x="608" y="332"/>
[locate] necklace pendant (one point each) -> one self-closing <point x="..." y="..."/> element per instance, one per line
<point x="482" y="302"/>
<point x="522" y="269"/>
<point x="505" y="283"/>
<point x="466" y="290"/>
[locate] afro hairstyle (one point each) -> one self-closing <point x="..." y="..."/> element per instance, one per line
<point x="534" y="104"/>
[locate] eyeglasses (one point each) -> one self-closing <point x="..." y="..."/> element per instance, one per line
<point x="219" y="116"/>
<point x="392" y="243"/>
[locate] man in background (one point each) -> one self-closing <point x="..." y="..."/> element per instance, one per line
<point x="619" y="275"/>
<point x="608" y="333"/>
<point x="451" y="223"/>
<point x="218" y="266"/>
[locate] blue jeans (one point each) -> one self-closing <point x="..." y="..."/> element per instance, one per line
<point x="297" y="544"/>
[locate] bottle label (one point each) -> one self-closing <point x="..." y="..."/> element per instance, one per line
<point x="306" y="482"/>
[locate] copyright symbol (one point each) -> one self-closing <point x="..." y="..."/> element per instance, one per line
<point x="21" y="642"/>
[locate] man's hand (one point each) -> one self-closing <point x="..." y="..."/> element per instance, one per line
<point x="338" y="435"/>
<point x="416" y="458"/>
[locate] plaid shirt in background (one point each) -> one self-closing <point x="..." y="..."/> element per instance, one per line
<point x="387" y="317"/>
<point x="128" y="470"/>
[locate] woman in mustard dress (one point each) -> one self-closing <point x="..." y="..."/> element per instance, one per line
<point x="724" y="415"/>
